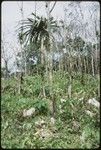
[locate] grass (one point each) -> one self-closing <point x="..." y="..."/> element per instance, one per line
<point x="19" y="132"/>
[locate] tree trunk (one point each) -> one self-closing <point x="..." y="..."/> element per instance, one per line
<point x="50" y="47"/>
<point x="82" y="77"/>
<point x="6" y="67"/>
<point x="42" y="51"/>
<point x="21" y="46"/>
<point x="70" y="79"/>
<point x="92" y="66"/>
<point x="50" y="51"/>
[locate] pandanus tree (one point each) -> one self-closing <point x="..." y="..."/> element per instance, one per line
<point x="35" y="31"/>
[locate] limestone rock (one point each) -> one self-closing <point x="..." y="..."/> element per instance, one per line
<point x="62" y="100"/>
<point x="89" y="113"/>
<point x="28" y="113"/>
<point x="52" y="121"/>
<point x="40" y="123"/>
<point x="94" y="102"/>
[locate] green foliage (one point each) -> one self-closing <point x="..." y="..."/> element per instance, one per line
<point x="41" y="105"/>
<point x="78" y="43"/>
<point x="91" y="139"/>
<point x="60" y="83"/>
<point x="19" y="132"/>
<point x="9" y="85"/>
<point x="32" y="86"/>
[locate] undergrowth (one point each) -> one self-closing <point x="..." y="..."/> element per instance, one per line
<point x="74" y="128"/>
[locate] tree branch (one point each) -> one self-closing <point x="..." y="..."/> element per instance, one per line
<point x="52" y="7"/>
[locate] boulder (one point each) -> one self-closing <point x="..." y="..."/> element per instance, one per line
<point x="40" y="123"/>
<point x="89" y="113"/>
<point x="94" y="102"/>
<point x="43" y="133"/>
<point x="29" y="112"/>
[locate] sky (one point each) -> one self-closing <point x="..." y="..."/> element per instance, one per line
<point x="11" y="12"/>
<point x="11" y="15"/>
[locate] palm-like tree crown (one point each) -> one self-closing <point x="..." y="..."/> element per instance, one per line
<point x="33" y="30"/>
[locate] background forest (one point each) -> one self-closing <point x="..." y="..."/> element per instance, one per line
<point x="50" y="78"/>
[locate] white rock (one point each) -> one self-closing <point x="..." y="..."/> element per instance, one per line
<point x="89" y="113"/>
<point x="94" y="102"/>
<point x="44" y="133"/>
<point x="40" y="123"/>
<point x="81" y="98"/>
<point x="62" y="100"/>
<point x="52" y="120"/>
<point x="28" y="113"/>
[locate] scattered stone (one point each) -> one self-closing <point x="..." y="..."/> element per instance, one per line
<point x="94" y="102"/>
<point x="52" y="121"/>
<point x="28" y="113"/>
<point x="89" y="113"/>
<point x="43" y="133"/>
<point x="62" y="100"/>
<point x="40" y="123"/>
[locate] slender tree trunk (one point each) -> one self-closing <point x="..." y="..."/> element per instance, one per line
<point x="50" y="58"/>
<point x="46" y="65"/>
<point x="60" y="64"/>
<point x="92" y="65"/>
<point x="85" y="65"/>
<point x="43" y="64"/>
<point x="82" y="77"/>
<point x="6" y="67"/>
<point x="96" y="58"/>
<point x="21" y="44"/>
<point x="25" y="71"/>
<point x="50" y="47"/>
<point x="70" y="80"/>
<point x="42" y="51"/>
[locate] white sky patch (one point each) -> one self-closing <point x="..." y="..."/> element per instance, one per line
<point x="11" y="15"/>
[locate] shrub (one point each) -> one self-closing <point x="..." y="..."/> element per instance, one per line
<point x="42" y="106"/>
<point x="32" y="86"/>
